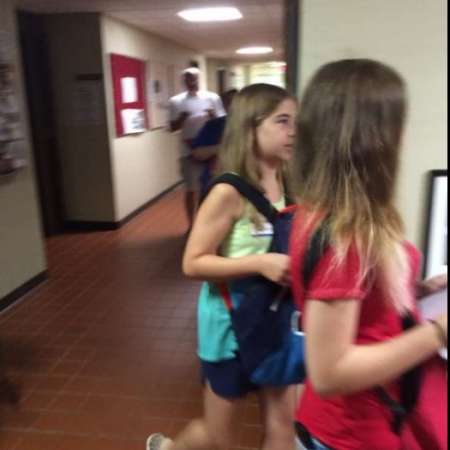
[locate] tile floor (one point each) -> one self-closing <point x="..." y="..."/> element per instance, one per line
<point x="104" y="351"/>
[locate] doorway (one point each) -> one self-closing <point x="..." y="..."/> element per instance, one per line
<point x="221" y="81"/>
<point x="35" y="61"/>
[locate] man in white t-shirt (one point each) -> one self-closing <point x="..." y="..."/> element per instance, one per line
<point x="189" y="111"/>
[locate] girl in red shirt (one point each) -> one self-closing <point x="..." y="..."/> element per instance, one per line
<point x="350" y="128"/>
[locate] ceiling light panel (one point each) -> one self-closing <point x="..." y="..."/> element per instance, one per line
<point x="218" y="14"/>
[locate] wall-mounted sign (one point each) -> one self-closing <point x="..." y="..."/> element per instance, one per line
<point x="133" y="121"/>
<point x="129" y="89"/>
<point x="11" y="134"/>
<point x="130" y="98"/>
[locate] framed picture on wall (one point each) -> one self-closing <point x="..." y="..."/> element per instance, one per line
<point x="436" y="238"/>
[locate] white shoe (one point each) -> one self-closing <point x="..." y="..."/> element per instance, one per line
<point x="154" y="441"/>
<point x="299" y="445"/>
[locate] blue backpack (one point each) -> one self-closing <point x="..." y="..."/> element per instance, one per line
<point x="263" y="314"/>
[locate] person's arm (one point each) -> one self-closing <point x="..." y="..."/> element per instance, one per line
<point x="431" y="285"/>
<point x="219" y="109"/>
<point x="176" y="124"/>
<point x="337" y="366"/>
<point x="206" y="143"/>
<point x="205" y="153"/>
<point x="217" y="215"/>
<point x="177" y="118"/>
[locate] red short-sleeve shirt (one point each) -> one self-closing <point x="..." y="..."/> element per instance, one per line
<point x="358" y="421"/>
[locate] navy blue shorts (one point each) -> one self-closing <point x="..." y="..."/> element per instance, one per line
<point x="227" y="378"/>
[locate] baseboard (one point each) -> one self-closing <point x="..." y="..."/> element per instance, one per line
<point x="85" y="225"/>
<point x="149" y="203"/>
<point x="108" y="226"/>
<point x="22" y="290"/>
<point x="18" y="293"/>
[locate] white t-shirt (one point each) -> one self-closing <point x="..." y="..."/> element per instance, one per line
<point x="197" y="106"/>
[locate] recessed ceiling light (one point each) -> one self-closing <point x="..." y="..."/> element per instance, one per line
<point x="254" y="50"/>
<point x="210" y="14"/>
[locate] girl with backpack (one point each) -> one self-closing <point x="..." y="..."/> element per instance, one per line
<point x="362" y="289"/>
<point x="230" y="240"/>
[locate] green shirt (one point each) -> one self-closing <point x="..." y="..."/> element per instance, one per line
<point x="216" y="338"/>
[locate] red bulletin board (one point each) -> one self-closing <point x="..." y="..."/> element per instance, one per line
<point x="126" y="67"/>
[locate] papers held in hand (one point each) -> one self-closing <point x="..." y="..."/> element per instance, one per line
<point x="432" y="306"/>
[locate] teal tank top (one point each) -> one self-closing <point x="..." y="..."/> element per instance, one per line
<point x="216" y="339"/>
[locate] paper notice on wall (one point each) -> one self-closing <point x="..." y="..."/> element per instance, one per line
<point x="158" y="95"/>
<point x="133" y="121"/>
<point x="87" y="103"/>
<point x="129" y="90"/>
<point x="6" y="46"/>
<point x="12" y="148"/>
<point x="10" y="123"/>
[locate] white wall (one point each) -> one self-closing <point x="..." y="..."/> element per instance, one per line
<point x="411" y="36"/>
<point x="213" y="65"/>
<point x="242" y="74"/>
<point x="269" y="72"/>
<point x="21" y="248"/>
<point x="143" y="165"/>
<point x="239" y="76"/>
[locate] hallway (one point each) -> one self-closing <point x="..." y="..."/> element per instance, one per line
<point x="104" y="351"/>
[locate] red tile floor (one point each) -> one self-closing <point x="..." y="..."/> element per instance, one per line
<point x="104" y="351"/>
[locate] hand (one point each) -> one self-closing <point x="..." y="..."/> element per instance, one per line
<point x="206" y="153"/>
<point x="211" y="113"/>
<point x="189" y="143"/>
<point x="199" y="156"/>
<point x="276" y="267"/>
<point x="431" y="285"/>
<point x="183" y="116"/>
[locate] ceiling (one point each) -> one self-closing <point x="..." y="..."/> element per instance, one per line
<point x="262" y="24"/>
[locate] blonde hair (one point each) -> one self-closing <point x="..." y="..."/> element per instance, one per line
<point x="349" y="135"/>
<point x="238" y="151"/>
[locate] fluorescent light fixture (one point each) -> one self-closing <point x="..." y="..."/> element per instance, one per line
<point x="254" y="50"/>
<point x="218" y="14"/>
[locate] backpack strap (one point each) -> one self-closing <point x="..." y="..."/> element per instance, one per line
<point x="287" y="194"/>
<point x="250" y="192"/>
<point x="410" y="383"/>
<point x="318" y="244"/>
<point x="411" y="380"/>
<point x="305" y="437"/>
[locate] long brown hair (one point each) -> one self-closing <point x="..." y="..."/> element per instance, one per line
<point x="349" y="136"/>
<point x="249" y="108"/>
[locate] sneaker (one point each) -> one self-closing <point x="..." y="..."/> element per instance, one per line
<point x="155" y="441"/>
<point x="299" y="445"/>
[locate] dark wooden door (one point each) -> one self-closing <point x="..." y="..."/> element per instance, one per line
<point x="34" y="49"/>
